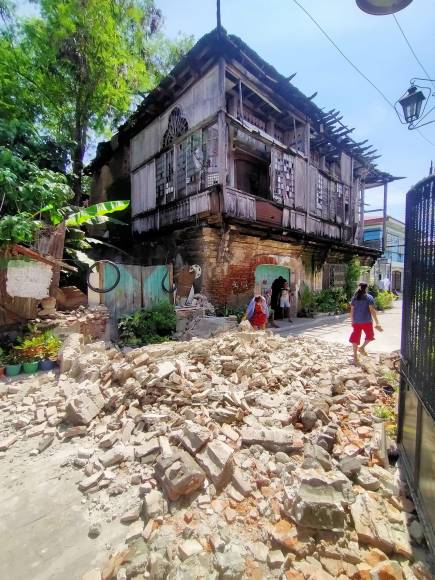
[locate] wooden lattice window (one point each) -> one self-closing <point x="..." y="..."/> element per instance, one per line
<point x="165" y="189"/>
<point x="177" y="126"/>
<point x="284" y="179"/>
<point x="319" y="191"/>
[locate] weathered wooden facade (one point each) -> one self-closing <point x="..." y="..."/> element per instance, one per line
<point x="232" y="167"/>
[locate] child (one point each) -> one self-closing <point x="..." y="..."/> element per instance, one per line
<point x="258" y="312"/>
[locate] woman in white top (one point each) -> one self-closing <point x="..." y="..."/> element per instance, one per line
<point x="284" y="301"/>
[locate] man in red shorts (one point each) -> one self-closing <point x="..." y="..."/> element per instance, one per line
<point x="362" y="313"/>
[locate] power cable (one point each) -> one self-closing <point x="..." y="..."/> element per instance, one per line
<point x="364" y="76"/>
<point x="413" y="51"/>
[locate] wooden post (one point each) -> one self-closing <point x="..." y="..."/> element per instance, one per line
<point x="308" y="180"/>
<point x="384" y="227"/>
<point x="222" y="132"/>
<point x="361" y="216"/>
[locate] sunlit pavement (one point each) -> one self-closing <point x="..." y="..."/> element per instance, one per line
<point x="338" y="329"/>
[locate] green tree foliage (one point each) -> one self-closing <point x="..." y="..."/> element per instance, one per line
<point x="79" y="66"/>
<point x="352" y="277"/>
<point x="148" y="325"/>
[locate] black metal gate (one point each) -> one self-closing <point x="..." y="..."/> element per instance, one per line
<point x="417" y="398"/>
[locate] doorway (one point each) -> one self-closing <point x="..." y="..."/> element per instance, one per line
<point x="265" y="276"/>
<point x="397" y="281"/>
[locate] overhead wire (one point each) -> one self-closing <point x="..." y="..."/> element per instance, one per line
<point x="420" y="65"/>
<point x="354" y="66"/>
<point x="413" y="51"/>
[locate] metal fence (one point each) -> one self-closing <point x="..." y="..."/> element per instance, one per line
<point x="417" y="398"/>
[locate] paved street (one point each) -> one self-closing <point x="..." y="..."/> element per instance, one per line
<point x="337" y="329"/>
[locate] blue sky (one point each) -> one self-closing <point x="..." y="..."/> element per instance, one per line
<point x="283" y="35"/>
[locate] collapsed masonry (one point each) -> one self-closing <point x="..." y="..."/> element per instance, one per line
<point x="242" y="456"/>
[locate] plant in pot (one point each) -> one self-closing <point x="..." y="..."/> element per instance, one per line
<point x="30" y="352"/>
<point x="13" y="364"/>
<point x="52" y="344"/>
<point x="3" y="361"/>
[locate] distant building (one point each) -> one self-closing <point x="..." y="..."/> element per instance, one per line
<point x="390" y="264"/>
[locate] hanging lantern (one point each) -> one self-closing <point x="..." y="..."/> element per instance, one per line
<point x="382" y="7"/>
<point x="411" y="104"/>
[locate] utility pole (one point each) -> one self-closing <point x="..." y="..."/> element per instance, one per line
<point x="384" y="228"/>
<point x="218" y="13"/>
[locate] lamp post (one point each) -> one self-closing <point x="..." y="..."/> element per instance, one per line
<point x="382" y="7"/>
<point x="412" y="107"/>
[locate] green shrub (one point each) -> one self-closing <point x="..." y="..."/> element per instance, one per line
<point x="307" y="300"/>
<point x="384" y="300"/>
<point x="227" y="310"/>
<point x="352" y="277"/>
<point x="373" y="290"/>
<point x="148" y="325"/>
<point x="330" y="300"/>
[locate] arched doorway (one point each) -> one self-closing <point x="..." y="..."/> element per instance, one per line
<point x="265" y="276"/>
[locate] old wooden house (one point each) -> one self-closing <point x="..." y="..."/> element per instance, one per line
<point x="232" y="168"/>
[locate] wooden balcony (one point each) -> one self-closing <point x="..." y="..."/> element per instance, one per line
<point x="179" y="211"/>
<point x="245" y="206"/>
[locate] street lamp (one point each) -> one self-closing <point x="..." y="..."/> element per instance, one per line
<point x="382" y="7"/>
<point x="413" y="105"/>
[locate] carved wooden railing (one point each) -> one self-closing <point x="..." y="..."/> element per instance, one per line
<point x="239" y="204"/>
<point x="179" y="211"/>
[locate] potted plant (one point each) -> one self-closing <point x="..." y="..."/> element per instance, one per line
<point x="52" y="344"/>
<point x="3" y="361"/>
<point x="30" y="352"/>
<point x="13" y="365"/>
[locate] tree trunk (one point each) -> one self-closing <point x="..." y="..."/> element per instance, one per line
<point x="80" y="134"/>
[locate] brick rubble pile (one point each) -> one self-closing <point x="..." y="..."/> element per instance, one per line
<point x="247" y="455"/>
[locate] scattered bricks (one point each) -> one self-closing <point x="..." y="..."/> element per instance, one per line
<point x="194" y="437"/>
<point x="308" y="419"/>
<point x="109" y="440"/>
<point x="72" y="432"/>
<point x="217" y="461"/>
<point x="131" y="516"/>
<point x="179" y="474"/>
<point x="39" y="416"/>
<point x="8" y="442"/>
<point x="230" y="433"/>
<point x="90" y="481"/>
<point x="241" y="482"/>
<point x="189" y="548"/>
<point x="148" y="530"/>
<point x="163" y="369"/>
<point x="148" y="452"/>
<point x="366" y="480"/>
<point x="113" y="456"/>
<point x="37" y="430"/>
<point x="271" y="439"/>
<point x="21" y="422"/>
<point x="45" y="442"/>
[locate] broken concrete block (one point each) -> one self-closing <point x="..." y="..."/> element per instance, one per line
<point x="179" y="474"/>
<point x="350" y="466"/>
<point x="271" y="439"/>
<point x="90" y="481"/>
<point x="241" y="482"/>
<point x="163" y="369"/>
<point x="371" y="522"/>
<point x="153" y="504"/>
<point x="318" y="500"/>
<point x="275" y="559"/>
<point x="78" y="431"/>
<point x="113" y="456"/>
<point x="217" y="461"/>
<point x="189" y="548"/>
<point x="81" y="409"/>
<point x="194" y="437"/>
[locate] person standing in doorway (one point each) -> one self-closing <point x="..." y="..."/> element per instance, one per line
<point x="284" y="302"/>
<point x="362" y="313"/>
<point x="277" y="286"/>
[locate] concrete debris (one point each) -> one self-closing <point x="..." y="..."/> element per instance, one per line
<point x="179" y="474"/>
<point x="242" y="455"/>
